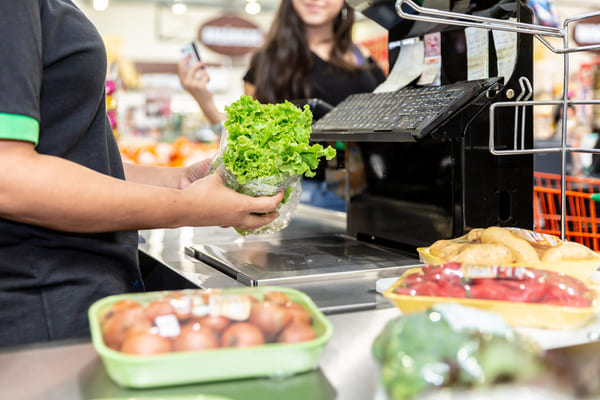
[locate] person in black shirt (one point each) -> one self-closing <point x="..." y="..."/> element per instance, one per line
<point x="69" y="208"/>
<point x="308" y="53"/>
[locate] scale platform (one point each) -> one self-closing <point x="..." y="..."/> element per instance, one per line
<point x="301" y="260"/>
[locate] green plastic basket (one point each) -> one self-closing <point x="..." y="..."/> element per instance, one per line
<point x="194" y="397"/>
<point x="268" y="360"/>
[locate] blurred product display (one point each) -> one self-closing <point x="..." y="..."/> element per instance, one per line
<point x="180" y="152"/>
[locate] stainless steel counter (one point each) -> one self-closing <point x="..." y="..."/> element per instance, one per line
<point x="73" y="370"/>
<point x="167" y="245"/>
<point x="331" y="287"/>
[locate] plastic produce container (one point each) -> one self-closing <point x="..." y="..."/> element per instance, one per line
<point x="523" y="314"/>
<point x="175" y="368"/>
<point x="581" y="268"/>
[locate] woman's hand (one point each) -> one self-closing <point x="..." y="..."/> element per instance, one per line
<point x="219" y="205"/>
<point x="194" y="80"/>
<point x="194" y="172"/>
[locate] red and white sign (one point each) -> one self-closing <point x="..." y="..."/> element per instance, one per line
<point x="587" y="32"/>
<point x="230" y="35"/>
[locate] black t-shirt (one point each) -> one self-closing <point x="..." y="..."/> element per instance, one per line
<point x="332" y="84"/>
<point x="53" y="69"/>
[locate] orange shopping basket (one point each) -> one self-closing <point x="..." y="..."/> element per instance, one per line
<point x="581" y="205"/>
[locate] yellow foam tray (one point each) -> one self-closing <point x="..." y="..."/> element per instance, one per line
<point x="530" y="315"/>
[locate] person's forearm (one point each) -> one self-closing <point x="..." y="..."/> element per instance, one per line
<point x="55" y="193"/>
<point x="194" y="79"/>
<point x="210" y="110"/>
<point x="58" y="194"/>
<point x="151" y="175"/>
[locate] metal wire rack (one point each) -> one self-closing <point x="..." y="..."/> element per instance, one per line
<point x="541" y="33"/>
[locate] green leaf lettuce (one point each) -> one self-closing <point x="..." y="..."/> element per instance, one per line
<point x="270" y="140"/>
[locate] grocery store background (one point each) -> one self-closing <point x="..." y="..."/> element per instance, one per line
<point x="157" y="122"/>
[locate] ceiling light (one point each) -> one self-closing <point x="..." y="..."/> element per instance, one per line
<point x="179" y="8"/>
<point x="100" y="5"/>
<point x="252" y="7"/>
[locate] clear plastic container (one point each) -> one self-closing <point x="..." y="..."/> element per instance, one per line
<point x="531" y="315"/>
<point x="581" y="268"/>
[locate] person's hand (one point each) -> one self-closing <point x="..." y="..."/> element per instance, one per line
<point x="194" y="79"/>
<point x="194" y="172"/>
<point x="218" y="205"/>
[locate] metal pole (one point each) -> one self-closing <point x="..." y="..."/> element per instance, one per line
<point x="563" y="153"/>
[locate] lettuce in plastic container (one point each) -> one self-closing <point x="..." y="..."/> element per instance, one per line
<point x="265" y="149"/>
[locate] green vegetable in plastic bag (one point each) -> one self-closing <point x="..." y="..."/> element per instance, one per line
<point x="265" y="149"/>
<point x="421" y="352"/>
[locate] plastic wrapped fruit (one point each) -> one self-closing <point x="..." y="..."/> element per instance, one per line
<point x="203" y="320"/>
<point x="156" y="339"/>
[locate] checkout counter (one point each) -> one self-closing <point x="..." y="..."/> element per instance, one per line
<point x="170" y="260"/>
<point x="74" y="371"/>
<point x="412" y="193"/>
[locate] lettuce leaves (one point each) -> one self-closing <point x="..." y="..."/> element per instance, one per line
<point x="270" y="141"/>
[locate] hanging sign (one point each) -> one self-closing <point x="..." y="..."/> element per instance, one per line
<point x="587" y="31"/>
<point x="230" y="35"/>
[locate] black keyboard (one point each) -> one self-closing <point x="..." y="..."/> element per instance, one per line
<point x="417" y="111"/>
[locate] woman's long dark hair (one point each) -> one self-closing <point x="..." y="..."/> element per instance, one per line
<point x="282" y="65"/>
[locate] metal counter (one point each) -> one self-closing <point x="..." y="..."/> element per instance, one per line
<point x="339" y="279"/>
<point x="166" y="246"/>
<point x="73" y="370"/>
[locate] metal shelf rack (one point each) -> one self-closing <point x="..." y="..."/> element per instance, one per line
<point x="522" y="100"/>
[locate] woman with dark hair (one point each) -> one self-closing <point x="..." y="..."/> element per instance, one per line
<point x="308" y="53"/>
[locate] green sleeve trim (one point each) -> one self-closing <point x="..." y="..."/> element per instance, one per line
<point x="19" y="127"/>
